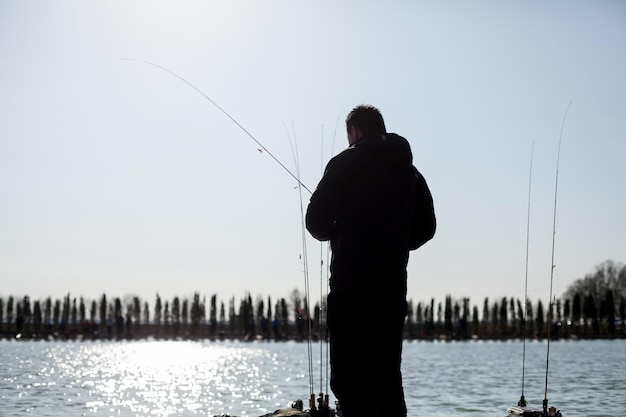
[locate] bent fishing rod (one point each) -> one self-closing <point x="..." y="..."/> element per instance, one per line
<point x="226" y="114"/>
<point x="556" y="187"/>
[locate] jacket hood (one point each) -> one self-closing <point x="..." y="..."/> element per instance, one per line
<point x="391" y="148"/>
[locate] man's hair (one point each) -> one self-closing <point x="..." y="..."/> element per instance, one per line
<point x="367" y="119"/>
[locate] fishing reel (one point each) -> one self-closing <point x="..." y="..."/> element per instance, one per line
<point x="517" y="411"/>
<point x="322" y="409"/>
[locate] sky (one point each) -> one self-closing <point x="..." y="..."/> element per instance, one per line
<point x="153" y="147"/>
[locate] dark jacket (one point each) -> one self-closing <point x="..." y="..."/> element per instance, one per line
<point x="374" y="207"/>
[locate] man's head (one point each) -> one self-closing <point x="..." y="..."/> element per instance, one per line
<point x="364" y="120"/>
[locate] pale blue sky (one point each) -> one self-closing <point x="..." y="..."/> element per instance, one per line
<point x="118" y="178"/>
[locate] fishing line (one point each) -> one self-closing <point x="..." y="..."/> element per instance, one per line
<point x="225" y="113"/>
<point x="556" y="186"/>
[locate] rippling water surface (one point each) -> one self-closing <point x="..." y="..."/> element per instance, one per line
<point x="190" y="378"/>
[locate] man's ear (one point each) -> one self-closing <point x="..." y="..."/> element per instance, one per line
<point x="354" y="134"/>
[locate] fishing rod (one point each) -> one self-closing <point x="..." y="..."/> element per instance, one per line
<point x="325" y="268"/>
<point x="322" y="408"/>
<point x="556" y="187"/>
<point x="321" y="310"/>
<point x="323" y="401"/>
<point x="305" y="261"/>
<point x="522" y="400"/>
<point x="521" y="410"/>
<point x="328" y="260"/>
<point x="226" y="114"/>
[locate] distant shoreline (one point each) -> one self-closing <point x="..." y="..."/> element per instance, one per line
<point x="146" y="332"/>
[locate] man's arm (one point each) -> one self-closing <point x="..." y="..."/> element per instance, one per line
<point x="424" y="223"/>
<point x="323" y="206"/>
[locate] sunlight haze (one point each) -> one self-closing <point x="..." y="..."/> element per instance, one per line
<point x="118" y="177"/>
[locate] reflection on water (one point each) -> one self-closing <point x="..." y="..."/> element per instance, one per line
<point x="188" y="378"/>
<point x="147" y="378"/>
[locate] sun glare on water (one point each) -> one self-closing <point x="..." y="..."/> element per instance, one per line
<point x="161" y="378"/>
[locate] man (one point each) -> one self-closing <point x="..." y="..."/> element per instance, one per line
<point x="374" y="207"/>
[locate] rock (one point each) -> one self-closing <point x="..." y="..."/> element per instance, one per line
<point x="283" y="412"/>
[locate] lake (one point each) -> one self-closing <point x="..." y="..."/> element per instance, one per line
<point x="189" y="378"/>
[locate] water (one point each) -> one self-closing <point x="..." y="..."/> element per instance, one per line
<point x="191" y="378"/>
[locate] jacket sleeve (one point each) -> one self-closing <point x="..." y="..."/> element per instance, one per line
<point x="323" y="207"/>
<point x="424" y="223"/>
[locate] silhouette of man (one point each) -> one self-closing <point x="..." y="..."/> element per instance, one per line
<point x="374" y="207"/>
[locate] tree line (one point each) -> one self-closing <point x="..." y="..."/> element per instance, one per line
<point x="592" y="307"/>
